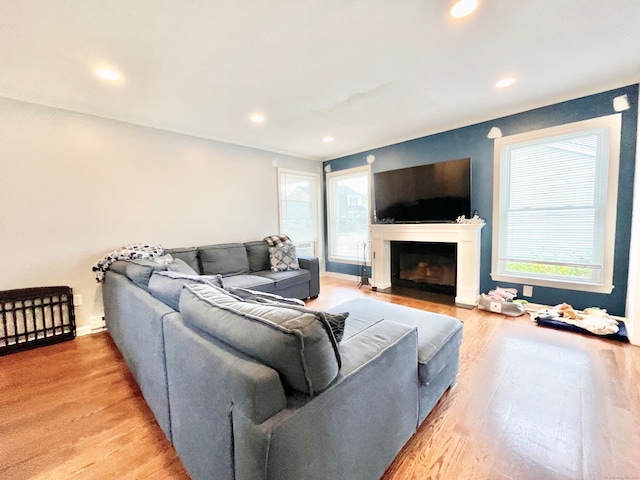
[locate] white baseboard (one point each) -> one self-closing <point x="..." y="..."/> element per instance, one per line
<point x="85" y="330"/>
<point x="96" y="325"/>
<point x="344" y="276"/>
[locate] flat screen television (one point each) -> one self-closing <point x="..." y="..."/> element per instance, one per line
<point x="438" y="192"/>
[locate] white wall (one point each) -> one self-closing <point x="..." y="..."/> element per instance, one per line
<point x="74" y="187"/>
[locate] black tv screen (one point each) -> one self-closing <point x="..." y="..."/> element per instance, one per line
<point x="438" y="192"/>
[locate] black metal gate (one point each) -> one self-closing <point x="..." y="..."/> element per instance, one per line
<point x="33" y="317"/>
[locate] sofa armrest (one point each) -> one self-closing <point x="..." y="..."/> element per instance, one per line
<point x="313" y="265"/>
<point x="209" y="380"/>
<point x="353" y="429"/>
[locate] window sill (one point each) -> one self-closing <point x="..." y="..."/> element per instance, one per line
<point x="583" y="287"/>
<point x="349" y="261"/>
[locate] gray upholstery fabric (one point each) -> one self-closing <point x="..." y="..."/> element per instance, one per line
<point x="354" y="429"/>
<point x="246" y="260"/>
<point x="286" y="279"/>
<point x="258" y="296"/>
<point x="134" y="319"/>
<point x="255" y="282"/>
<point x="189" y="255"/>
<point x="231" y="413"/>
<point x="313" y="266"/>
<point x="258" y="255"/>
<point x="119" y="267"/>
<point x="431" y="392"/>
<point x="209" y="380"/>
<point x="293" y="343"/>
<point x="225" y="259"/>
<point x="179" y="265"/>
<point x="139" y="271"/>
<point x="439" y="339"/>
<point x="167" y="286"/>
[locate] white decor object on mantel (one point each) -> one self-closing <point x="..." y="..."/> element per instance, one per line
<point x="465" y="235"/>
<point x="475" y="219"/>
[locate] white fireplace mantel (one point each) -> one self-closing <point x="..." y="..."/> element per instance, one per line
<point x="465" y="235"/>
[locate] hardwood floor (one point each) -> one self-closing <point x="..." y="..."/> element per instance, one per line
<point x="529" y="403"/>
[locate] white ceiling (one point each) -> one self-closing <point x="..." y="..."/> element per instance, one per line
<point x="367" y="72"/>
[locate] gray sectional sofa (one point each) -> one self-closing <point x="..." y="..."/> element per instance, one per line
<point x="253" y="390"/>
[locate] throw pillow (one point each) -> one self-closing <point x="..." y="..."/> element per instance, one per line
<point x="263" y="297"/>
<point x="334" y="323"/>
<point x="283" y="258"/>
<point x="139" y="271"/>
<point x="166" y="286"/>
<point x="180" y="266"/>
<point x="278" y="240"/>
<point x="293" y="343"/>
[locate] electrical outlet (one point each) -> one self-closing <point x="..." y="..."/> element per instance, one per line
<point x="495" y="307"/>
<point x="527" y="291"/>
<point x="77" y="300"/>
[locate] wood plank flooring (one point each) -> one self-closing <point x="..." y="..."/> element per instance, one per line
<point x="529" y="403"/>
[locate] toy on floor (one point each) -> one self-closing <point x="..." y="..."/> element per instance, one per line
<point x="503" y="294"/>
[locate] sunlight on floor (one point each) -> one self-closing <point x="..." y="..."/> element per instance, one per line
<point x="541" y="408"/>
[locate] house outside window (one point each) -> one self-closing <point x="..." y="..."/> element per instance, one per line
<point x="555" y="197"/>
<point x="299" y="209"/>
<point x="348" y="207"/>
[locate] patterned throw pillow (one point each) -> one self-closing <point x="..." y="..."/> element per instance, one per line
<point x="283" y="258"/>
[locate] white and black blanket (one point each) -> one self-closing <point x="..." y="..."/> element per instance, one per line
<point x="127" y="252"/>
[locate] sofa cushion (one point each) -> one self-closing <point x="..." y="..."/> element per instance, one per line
<point x="224" y="259"/>
<point x="283" y="258"/>
<point x="119" y="267"/>
<point x="293" y="343"/>
<point x="286" y="279"/>
<point x="255" y="282"/>
<point x="188" y="255"/>
<point x="180" y="266"/>
<point x="167" y="286"/>
<point x="139" y="271"/>
<point x="258" y="255"/>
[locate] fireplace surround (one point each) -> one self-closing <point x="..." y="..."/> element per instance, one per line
<point x="466" y="238"/>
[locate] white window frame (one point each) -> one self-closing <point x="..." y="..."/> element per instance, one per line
<point x="330" y="178"/>
<point x="610" y="123"/>
<point x="316" y="207"/>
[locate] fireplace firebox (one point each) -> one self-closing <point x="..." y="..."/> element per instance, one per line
<point x="426" y="266"/>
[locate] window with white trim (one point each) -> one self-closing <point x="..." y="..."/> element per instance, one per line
<point x="299" y="207"/>
<point x="555" y="198"/>
<point x="348" y="207"/>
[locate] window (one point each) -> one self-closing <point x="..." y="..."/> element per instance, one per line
<point x="348" y="213"/>
<point x="555" y="195"/>
<point x="299" y="208"/>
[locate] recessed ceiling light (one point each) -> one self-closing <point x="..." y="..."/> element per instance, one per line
<point x="327" y="139"/>
<point x="257" y="118"/>
<point x="505" y="82"/>
<point x="462" y="8"/>
<point x="108" y="74"/>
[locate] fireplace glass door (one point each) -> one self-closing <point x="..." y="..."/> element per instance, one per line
<point x="424" y="266"/>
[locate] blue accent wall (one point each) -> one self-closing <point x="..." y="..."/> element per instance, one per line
<point x="472" y="142"/>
